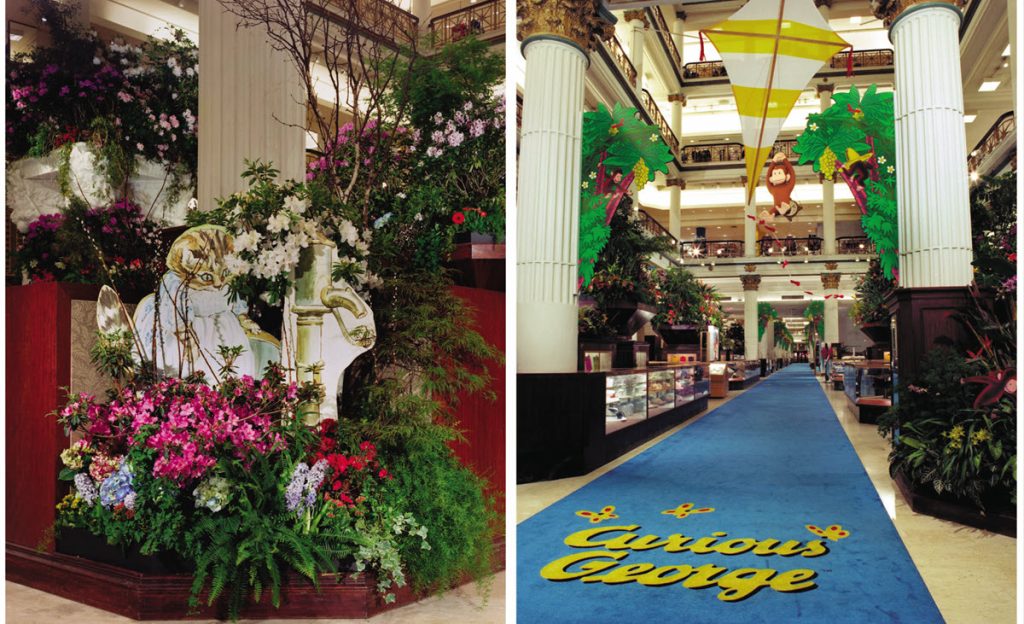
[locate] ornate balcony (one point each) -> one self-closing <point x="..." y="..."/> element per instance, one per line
<point x="1004" y="127"/>
<point x="621" y="59"/>
<point x="727" y="152"/>
<point x="862" y="59"/>
<point x="476" y="19"/>
<point x="788" y="246"/>
<point x="664" y="34"/>
<point x="382" y="20"/>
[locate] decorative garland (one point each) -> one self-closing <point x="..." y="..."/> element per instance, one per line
<point x="765" y="312"/>
<point x="618" y="149"/>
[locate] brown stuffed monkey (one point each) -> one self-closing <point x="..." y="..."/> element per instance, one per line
<point x="780" y="180"/>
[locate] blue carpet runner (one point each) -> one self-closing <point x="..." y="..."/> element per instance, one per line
<point x="759" y="512"/>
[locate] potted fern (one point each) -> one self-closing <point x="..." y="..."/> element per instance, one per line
<point x="869" y="311"/>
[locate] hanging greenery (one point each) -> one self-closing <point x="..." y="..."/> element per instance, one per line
<point x="618" y="149"/>
<point x="855" y="139"/>
<point x="765" y="312"/>
<point x="783" y="337"/>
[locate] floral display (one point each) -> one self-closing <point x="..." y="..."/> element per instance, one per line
<point x="872" y="289"/>
<point x="130" y="103"/>
<point x="113" y="244"/>
<point x="621" y="272"/>
<point x="173" y="465"/>
<point x="994" y="229"/>
<point x="682" y="299"/>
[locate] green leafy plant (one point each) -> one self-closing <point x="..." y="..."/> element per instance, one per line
<point x="872" y="289"/>
<point x="994" y="230"/>
<point x="594" y="322"/>
<point x="618" y="150"/>
<point x="815" y="315"/>
<point x="855" y="138"/>
<point x="765" y="312"/>
<point x="681" y="298"/>
<point x="621" y="271"/>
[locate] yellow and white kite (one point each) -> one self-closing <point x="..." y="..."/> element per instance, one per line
<point x="771" y="50"/>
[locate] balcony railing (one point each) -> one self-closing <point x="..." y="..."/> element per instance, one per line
<point x="1005" y="126"/>
<point x="861" y="59"/>
<point x="622" y="60"/>
<point x="666" y="37"/>
<point x="476" y="19"/>
<point x="382" y="20"/>
<point x="789" y="246"/>
<point x="659" y="120"/>
<point x="727" y="152"/>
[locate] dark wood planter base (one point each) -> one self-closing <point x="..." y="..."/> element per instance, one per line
<point x="146" y="596"/>
<point x="1004" y="523"/>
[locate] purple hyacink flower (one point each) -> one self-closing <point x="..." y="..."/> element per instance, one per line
<point x="293" y="493"/>
<point x="86" y="488"/>
<point x="300" y="495"/>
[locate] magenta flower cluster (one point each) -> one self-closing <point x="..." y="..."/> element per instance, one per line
<point x="190" y="425"/>
<point x="468" y="123"/>
<point x="341" y="153"/>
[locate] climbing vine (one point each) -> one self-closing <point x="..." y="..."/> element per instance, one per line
<point x="854" y="140"/>
<point x="618" y="149"/>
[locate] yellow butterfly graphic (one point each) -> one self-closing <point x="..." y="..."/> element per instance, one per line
<point x="597" y="516"/>
<point x="686" y="509"/>
<point x="834" y="532"/>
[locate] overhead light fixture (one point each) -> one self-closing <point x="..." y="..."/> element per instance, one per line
<point x="856" y="20"/>
<point x="969" y="118"/>
<point x="988" y="85"/>
<point x="1006" y="52"/>
<point x="974" y="176"/>
<point x="15" y="37"/>
<point x="1006" y="64"/>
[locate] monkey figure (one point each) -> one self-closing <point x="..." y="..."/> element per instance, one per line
<point x="780" y="180"/>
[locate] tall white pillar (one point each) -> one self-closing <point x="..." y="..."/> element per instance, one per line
<point x="830" y="282"/>
<point x="1011" y="18"/>
<point x="751" y="282"/>
<point x="828" y="187"/>
<point x="675" y="224"/>
<point x="421" y="9"/>
<point x="750" y="226"/>
<point x="549" y="186"/>
<point x="679" y="27"/>
<point x="236" y="61"/>
<point x="638" y="22"/>
<point x="931" y="147"/>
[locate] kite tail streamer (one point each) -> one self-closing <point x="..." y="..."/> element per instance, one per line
<point x="700" y="34"/>
<point x="849" y="62"/>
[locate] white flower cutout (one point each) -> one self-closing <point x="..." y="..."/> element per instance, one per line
<point x="881" y="160"/>
<point x="593" y="175"/>
<point x="813" y="127"/>
<point x="891" y="169"/>
<point x="586" y="185"/>
<point x="654" y="137"/>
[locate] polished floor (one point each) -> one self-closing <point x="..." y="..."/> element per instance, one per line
<point x="970" y="573"/>
<point x="465" y="604"/>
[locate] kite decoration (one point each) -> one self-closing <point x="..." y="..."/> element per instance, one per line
<point x="771" y="49"/>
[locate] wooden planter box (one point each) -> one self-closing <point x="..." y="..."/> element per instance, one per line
<point x="929" y="503"/>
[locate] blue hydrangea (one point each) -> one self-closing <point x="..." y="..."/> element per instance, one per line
<point x="117" y="487"/>
<point x="213" y="493"/>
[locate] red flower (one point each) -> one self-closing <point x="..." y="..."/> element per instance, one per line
<point x="458" y="218"/>
<point x="997" y="383"/>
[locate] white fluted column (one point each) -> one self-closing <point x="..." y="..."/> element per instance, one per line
<point x="931" y="148"/>
<point x="751" y="282"/>
<point x="637" y="21"/>
<point x="421" y="9"/>
<point x="828" y="187"/>
<point x="549" y="206"/>
<point x="750" y="227"/>
<point x="830" y="282"/>
<point x="674" y="209"/>
<point x="678" y="101"/>
<point x="236" y="61"/>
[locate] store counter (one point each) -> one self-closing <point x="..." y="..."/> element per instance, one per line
<point x="568" y="424"/>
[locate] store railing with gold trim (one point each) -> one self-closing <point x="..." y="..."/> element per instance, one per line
<point x="727" y="152"/>
<point x="1005" y="126"/>
<point x="789" y="246"/>
<point x="861" y="59"/>
<point x="659" y="120"/>
<point x="621" y="59"/>
<point x="476" y="19"/>
<point x="666" y="36"/>
<point x="381" y="19"/>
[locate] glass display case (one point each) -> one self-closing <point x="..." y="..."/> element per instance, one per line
<point x="625" y="400"/>
<point x="875" y="381"/>
<point x="684" y="385"/>
<point x="661" y="395"/>
<point x="595" y="360"/>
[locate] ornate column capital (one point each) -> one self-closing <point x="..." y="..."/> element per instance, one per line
<point x="579" y="23"/>
<point x="889" y="10"/>
<point x="823" y="3"/>
<point x="637" y="16"/>
<point x="825" y="87"/>
<point x="830" y="281"/>
<point x="680" y="14"/>
<point x="831" y="266"/>
<point x="750" y="268"/>
<point x="676" y="181"/>
<point x="750" y="282"/>
<point x="677" y="97"/>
